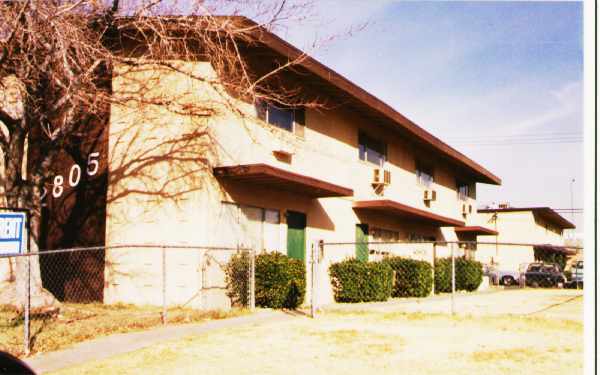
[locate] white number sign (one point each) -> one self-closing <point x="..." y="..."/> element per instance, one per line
<point x="74" y="177"/>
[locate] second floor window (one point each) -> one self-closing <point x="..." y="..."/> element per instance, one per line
<point x="463" y="192"/>
<point x="371" y="150"/>
<point x="287" y="118"/>
<point x="424" y="175"/>
<point x="281" y="117"/>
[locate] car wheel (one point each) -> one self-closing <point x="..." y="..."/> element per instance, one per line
<point x="535" y="284"/>
<point x="507" y="280"/>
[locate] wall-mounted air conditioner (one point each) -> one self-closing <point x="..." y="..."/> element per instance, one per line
<point x="467" y="209"/>
<point x="429" y="195"/>
<point x="381" y="177"/>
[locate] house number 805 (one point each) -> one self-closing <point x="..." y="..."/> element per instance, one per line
<point x="74" y="176"/>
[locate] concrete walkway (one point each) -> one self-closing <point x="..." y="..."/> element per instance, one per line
<point x="112" y="345"/>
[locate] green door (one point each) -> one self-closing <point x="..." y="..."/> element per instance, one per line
<point x="362" y="238"/>
<point x="296" y="235"/>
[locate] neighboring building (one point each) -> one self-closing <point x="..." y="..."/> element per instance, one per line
<point x="541" y="227"/>
<point x="278" y="179"/>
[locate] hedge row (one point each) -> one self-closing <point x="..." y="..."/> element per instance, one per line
<point x="280" y="281"/>
<point x="414" y="278"/>
<point x="357" y="281"/>
<point x="469" y="274"/>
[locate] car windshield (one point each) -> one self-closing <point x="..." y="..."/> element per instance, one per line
<point x="549" y="268"/>
<point x="534" y="268"/>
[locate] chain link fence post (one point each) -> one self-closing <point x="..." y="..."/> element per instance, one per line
<point x="313" y="308"/>
<point x="27" y="308"/>
<point x="314" y="259"/>
<point x="433" y="269"/>
<point x="252" y="280"/>
<point x="453" y="307"/>
<point x="164" y="285"/>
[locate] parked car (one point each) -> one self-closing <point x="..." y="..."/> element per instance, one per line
<point x="500" y="277"/>
<point x="544" y="275"/>
<point x="576" y="279"/>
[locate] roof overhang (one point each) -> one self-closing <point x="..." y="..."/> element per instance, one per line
<point x="546" y="213"/>
<point x="476" y="230"/>
<point x="258" y="37"/>
<point x="384" y="113"/>
<point x="555" y="249"/>
<point x="403" y="211"/>
<point x="276" y="178"/>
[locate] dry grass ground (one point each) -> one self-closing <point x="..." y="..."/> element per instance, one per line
<point x="80" y="322"/>
<point x="343" y="341"/>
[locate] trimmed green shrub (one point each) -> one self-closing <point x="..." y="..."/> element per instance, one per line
<point x="469" y="274"/>
<point x="357" y="281"/>
<point x="237" y="274"/>
<point x="413" y="277"/>
<point x="280" y="281"/>
<point x="443" y="275"/>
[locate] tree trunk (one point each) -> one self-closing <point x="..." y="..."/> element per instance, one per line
<point x="17" y="273"/>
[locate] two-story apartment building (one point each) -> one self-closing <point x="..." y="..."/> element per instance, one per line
<point x="268" y="177"/>
<point x="520" y="231"/>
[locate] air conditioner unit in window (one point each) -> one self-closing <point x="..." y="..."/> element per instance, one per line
<point x="429" y="195"/>
<point x="381" y="177"/>
<point x="467" y="209"/>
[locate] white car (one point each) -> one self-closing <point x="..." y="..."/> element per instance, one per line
<point x="501" y="277"/>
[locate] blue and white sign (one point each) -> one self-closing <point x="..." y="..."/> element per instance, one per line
<point x="13" y="235"/>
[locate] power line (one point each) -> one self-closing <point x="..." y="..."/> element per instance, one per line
<point x="524" y="135"/>
<point x="516" y="143"/>
<point x="518" y="139"/>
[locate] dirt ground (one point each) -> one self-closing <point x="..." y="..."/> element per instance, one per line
<point x="507" y="332"/>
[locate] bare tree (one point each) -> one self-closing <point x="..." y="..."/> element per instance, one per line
<point x="58" y="62"/>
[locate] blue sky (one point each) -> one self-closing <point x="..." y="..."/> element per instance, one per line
<point x="500" y="81"/>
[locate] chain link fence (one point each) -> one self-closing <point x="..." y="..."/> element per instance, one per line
<point x="117" y="289"/>
<point x="101" y="290"/>
<point x="376" y="271"/>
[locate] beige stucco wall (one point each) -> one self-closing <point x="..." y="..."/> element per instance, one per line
<point x="517" y="227"/>
<point x="155" y="198"/>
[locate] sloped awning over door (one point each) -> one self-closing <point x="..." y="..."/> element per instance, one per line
<point x="476" y="230"/>
<point x="277" y="178"/>
<point x="403" y="211"/>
